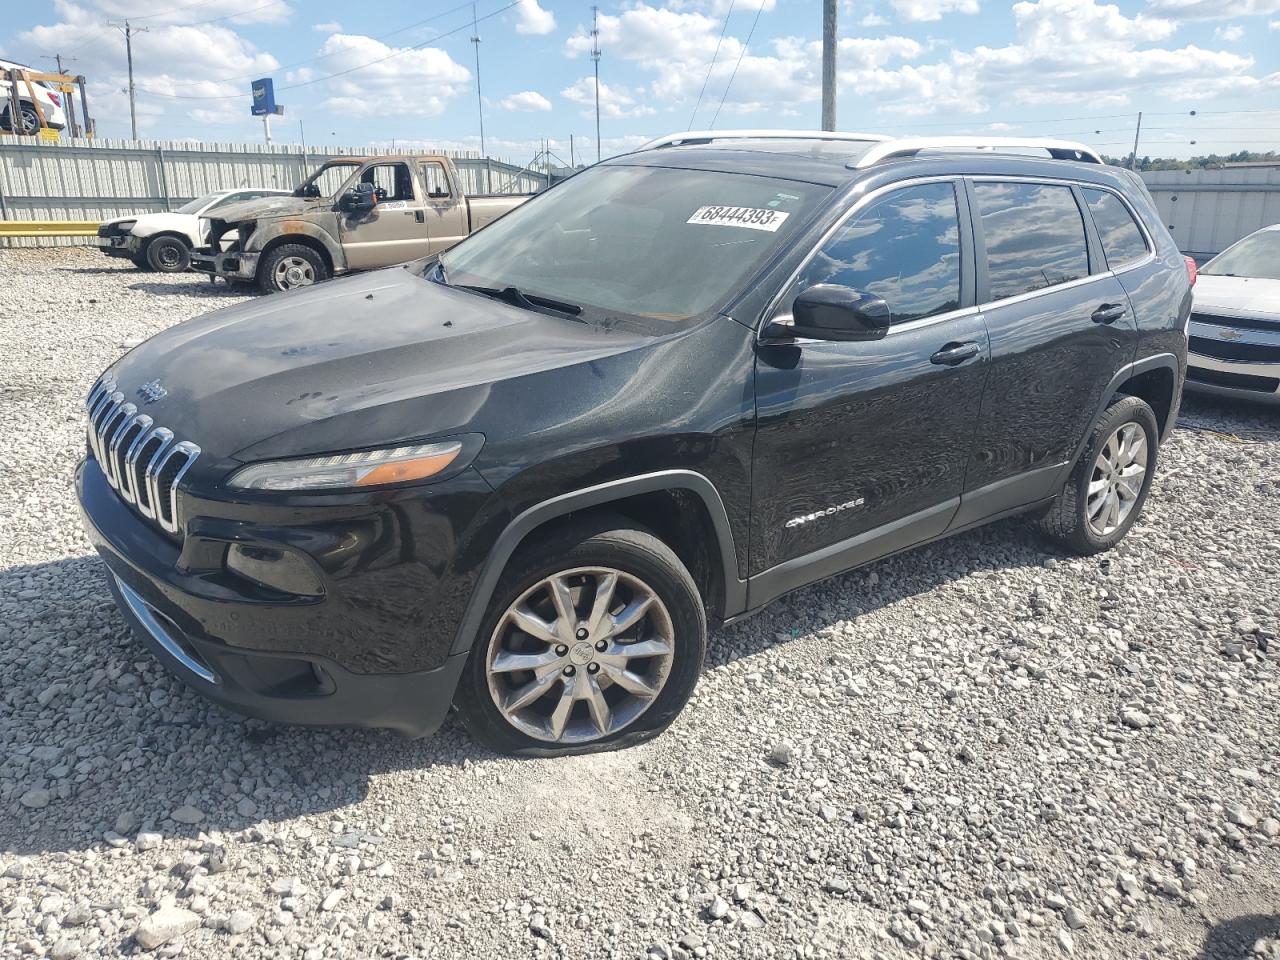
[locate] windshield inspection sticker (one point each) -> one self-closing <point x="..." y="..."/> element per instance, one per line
<point x="753" y="218"/>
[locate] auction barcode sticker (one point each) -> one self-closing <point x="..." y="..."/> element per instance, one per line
<point x="753" y="218"/>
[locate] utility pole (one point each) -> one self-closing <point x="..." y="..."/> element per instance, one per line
<point x="1133" y="161"/>
<point x="71" y="103"/>
<point x="595" y="57"/>
<point x="129" y="31"/>
<point x="829" y="64"/>
<point x="475" y="38"/>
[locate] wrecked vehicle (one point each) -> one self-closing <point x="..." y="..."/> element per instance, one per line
<point x="353" y="213"/>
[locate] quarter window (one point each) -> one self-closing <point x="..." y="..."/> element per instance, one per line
<point x="1034" y="236"/>
<point x="904" y="248"/>
<point x="1122" y="241"/>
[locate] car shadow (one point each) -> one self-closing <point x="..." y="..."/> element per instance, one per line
<point x="98" y="717"/>
<point x="198" y="285"/>
<point x="1234" y="939"/>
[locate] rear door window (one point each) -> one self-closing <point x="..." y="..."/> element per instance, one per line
<point x="1122" y="240"/>
<point x="904" y="248"/>
<point x="1034" y="235"/>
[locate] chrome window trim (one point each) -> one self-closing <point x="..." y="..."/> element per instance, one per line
<point x="1033" y="294"/>
<point x="1147" y="238"/>
<point x="768" y="314"/>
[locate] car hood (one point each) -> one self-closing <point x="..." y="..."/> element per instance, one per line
<point x="266" y="208"/>
<point x="149" y="223"/>
<point x="370" y="359"/>
<point x="1238" y="297"/>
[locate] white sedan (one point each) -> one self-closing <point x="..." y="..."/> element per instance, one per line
<point x="164" y="241"/>
<point x="1235" y="322"/>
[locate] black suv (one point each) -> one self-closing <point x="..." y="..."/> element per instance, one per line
<point x="523" y="477"/>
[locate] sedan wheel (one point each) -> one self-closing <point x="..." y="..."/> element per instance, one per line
<point x="580" y="655"/>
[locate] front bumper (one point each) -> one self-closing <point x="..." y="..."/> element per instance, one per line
<point x="178" y="615"/>
<point x="229" y="264"/>
<point x="1231" y="360"/>
<point x="121" y="245"/>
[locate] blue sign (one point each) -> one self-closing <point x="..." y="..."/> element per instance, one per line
<point x="264" y="98"/>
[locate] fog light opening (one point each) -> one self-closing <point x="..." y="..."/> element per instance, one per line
<point x="277" y="569"/>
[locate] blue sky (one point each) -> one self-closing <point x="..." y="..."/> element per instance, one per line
<point x="403" y="71"/>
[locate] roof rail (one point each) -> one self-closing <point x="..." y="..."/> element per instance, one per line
<point x="910" y="146"/>
<point x="707" y="136"/>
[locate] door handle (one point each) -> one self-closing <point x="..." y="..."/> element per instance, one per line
<point x="419" y="216"/>
<point x="1108" y="313"/>
<point x="954" y="353"/>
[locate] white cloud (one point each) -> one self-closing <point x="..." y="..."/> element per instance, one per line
<point x="527" y="101"/>
<point x="417" y="81"/>
<point x="1213" y="9"/>
<point x="533" y="19"/>
<point x="923" y="11"/>
<point x="1231" y="34"/>
<point x="615" y="102"/>
<point x="873" y="20"/>
<point x="330" y="26"/>
<point x="1274" y="24"/>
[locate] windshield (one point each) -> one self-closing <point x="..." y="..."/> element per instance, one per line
<point x="198" y="204"/>
<point x="638" y="241"/>
<point x="326" y="181"/>
<point x="1254" y="256"/>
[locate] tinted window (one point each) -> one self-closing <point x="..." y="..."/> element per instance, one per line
<point x="1034" y="235"/>
<point x="904" y="248"/>
<point x="1122" y="241"/>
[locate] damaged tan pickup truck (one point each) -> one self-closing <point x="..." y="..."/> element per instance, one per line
<point x="354" y="213"/>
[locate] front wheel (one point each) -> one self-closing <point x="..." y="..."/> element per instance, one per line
<point x="593" y="640"/>
<point x="1105" y="493"/>
<point x="168" y="255"/>
<point x="290" y="266"/>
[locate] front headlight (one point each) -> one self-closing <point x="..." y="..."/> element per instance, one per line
<point x="350" y="471"/>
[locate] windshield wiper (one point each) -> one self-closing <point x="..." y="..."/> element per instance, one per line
<point x="517" y="298"/>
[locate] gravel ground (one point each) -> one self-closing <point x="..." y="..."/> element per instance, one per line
<point x="976" y="749"/>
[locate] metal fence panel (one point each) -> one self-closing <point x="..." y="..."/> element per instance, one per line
<point x="103" y="179"/>
<point x="1208" y="210"/>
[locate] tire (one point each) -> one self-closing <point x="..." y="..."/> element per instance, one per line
<point x="29" y="124"/>
<point x="140" y="262"/>
<point x="295" y="260"/>
<point x="166" y="254"/>
<point x="1086" y="526"/>
<point x="581" y="671"/>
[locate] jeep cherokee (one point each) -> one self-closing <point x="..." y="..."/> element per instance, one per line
<point x="522" y="477"/>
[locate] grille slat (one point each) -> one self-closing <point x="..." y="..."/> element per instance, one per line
<point x="141" y="461"/>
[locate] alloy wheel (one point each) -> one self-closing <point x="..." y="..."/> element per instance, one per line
<point x="1117" y="478"/>
<point x="580" y="655"/>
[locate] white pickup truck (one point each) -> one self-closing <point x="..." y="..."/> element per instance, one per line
<point x="164" y="241"/>
<point x="353" y="213"/>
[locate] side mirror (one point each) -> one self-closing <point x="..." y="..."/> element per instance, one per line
<point x="359" y="199"/>
<point x="827" y="311"/>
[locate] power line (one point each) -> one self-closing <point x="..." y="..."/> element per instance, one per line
<point x="360" y="66"/>
<point x="741" y="54"/>
<point x="711" y="66"/>
<point x="325" y="56"/>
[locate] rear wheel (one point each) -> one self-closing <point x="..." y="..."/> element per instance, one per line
<point x="290" y="266"/>
<point x="28" y="122"/>
<point x="168" y="255"/>
<point x="593" y="640"/>
<point x="1105" y="493"/>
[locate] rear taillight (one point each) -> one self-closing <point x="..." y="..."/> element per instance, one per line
<point x="57" y="100"/>
<point x="1191" y="270"/>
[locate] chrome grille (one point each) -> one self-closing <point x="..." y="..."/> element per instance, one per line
<point x="142" y="462"/>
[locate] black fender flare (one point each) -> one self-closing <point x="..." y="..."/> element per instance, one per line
<point x="514" y="533"/>
<point x="1128" y="371"/>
